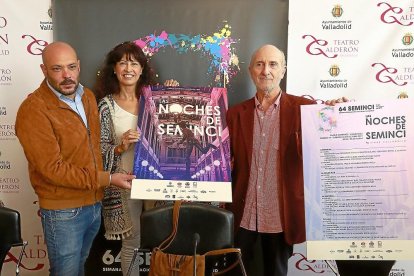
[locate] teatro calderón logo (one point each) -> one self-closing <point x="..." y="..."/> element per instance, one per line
<point x="46" y="25"/>
<point x="336" y="22"/>
<point x="5" y="76"/>
<point x="392" y="14"/>
<point x="331" y="48"/>
<point x="7" y="132"/>
<point x="313" y="267"/>
<point x="4" y="37"/>
<point x="9" y="185"/>
<point x="391" y="75"/>
<point x="333" y="82"/>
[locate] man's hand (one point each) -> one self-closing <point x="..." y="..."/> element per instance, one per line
<point x="122" y="180"/>
<point x="335" y="101"/>
<point x="171" y="82"/>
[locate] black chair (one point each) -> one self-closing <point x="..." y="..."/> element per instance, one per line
<point x="213" y="225"/>
<point x="360" y="267"/>
<point x="10" y="234"/>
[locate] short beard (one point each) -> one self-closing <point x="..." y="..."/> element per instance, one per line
<point x="67" y="93"/>
<point x="268" y="91"/>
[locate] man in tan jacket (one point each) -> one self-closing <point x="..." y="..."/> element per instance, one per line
<point x="58" y="128"/>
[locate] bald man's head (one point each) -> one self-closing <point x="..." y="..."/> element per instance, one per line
<point x="54" y="47"/>
<point x="61" y="67"/>
<point x="267" y="68"/>
<point x="271" y="48"/>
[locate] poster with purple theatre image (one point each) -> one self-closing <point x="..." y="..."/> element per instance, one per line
<point x="184" y="150"/>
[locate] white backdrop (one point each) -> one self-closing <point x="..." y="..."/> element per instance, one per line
<point x="25" y="26"/>
<point x="358" y="49"/>
<point x="363" y="68"/>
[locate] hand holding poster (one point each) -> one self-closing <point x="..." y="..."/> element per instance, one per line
<point x="184" y="150"/>
<point x="359" y="193"/>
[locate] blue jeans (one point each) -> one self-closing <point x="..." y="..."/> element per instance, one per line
<point x="69" y="234"/>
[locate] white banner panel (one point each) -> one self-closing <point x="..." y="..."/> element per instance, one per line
<point x="358" y="49"/>
<point x="25" y="28"/>
<point x="358" y="192"/>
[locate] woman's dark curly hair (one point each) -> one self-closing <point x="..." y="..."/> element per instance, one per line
<point x="107" y="82"/>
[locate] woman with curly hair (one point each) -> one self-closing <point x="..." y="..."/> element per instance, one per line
<point x="126" y="73"/>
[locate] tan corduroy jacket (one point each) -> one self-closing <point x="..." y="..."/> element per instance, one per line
<point x="65" y="163"/>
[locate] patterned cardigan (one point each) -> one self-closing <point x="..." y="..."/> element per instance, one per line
<point x="117" y="220"/>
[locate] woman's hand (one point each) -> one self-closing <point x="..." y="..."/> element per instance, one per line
<point x="128" y="137"/>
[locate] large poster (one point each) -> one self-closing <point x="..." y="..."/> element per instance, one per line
<point x="184" y="150"/>
<point x="358" y="180"/>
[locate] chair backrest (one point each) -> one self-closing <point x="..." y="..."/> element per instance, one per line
<point x="213" y="224"/>
<point x="10" y="227"/>
<point x="10" y="232"/>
